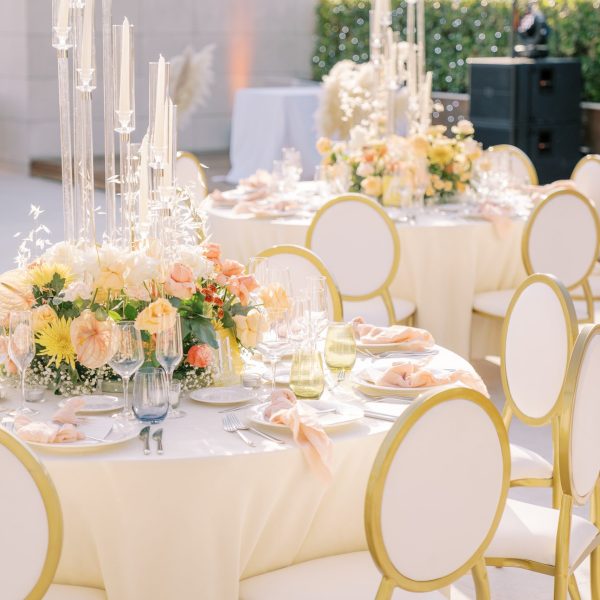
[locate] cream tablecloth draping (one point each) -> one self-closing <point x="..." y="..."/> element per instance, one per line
<point x="444" y="262"/>
<point x="191" y="523"/>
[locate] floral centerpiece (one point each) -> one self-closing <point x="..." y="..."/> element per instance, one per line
<point x="78" y="293"/>
<point x="439" y="165"/>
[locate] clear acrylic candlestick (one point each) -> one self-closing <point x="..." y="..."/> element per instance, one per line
<point x="87" y="226"/>
<point x="123" y="82"/>
<point x="124" y="178"/>
<point x="158" y="101"/>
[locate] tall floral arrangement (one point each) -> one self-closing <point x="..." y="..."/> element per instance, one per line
<point x="77" y="294"/>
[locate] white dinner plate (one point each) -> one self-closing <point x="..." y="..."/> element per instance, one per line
<point x="384" y="390"/>
<point x="97" y="404"/>
<point x="344" y="414"/>
<point x="221" y="395"/>
<point x="400" y="347"/>
<point x="98" y="427"/>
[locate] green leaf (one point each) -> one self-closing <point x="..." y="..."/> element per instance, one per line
<point x="57" y="283"/>
<point x="203" y="331"/>
<point x="114" y="315"/>
<point x="101" y="314"/>
<point x="130" y="312"/>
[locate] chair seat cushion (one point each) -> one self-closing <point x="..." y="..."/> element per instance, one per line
<point x="350" y="576"/>
<point x="528" y="532"/>
<point x="373" y="311"/>
<point x="74" y="592"/>
<point x="493" y="303"/>
<point x="526" y="464"/>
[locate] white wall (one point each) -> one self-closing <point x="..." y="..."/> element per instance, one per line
<point x="258" y="42"/>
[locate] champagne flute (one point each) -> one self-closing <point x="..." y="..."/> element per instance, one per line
<point x="127" y="359"/>
<point x="340" y="350"/>
<point x="169" y="353"/>
<point x="151" y="395"/>
<point x="299" y="320"/>
<point x="257" y="266"/>
<point x="21" y="350"/>
<point x="274" y="342"/>
<point x="317" y="295"/>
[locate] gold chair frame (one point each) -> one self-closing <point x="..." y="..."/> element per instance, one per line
<point x="476" y="563"/>
<point x="564" y="579"/>
<point x="201" y="168"/>
<point x="382" y="291"/>
<point x="552" y="417"/>
<point x="522" y="156"/>
<point x="305" y="253"/>
<point x="583" y="161"/>
<point x="52" y="505"/>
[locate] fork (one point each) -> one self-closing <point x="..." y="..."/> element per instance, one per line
<point x="231" y="428"/>
<point x="239" y="425"/>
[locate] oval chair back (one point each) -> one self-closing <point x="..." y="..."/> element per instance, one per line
<point x="538" y="334"/>
<point x="359" y="244"/>
<point x="562" y="237"/>
<point x="437" y="492"/>
<point x="519" y="164"/>
<point x="586" y="176"/>
<point x="191" y="173"/>
<point x="303" y="264"/>
<point x="31" y="540"/>
<point x="579" y="442"/>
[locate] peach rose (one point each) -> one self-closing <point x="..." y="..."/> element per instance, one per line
<point x="42" y="315"/>
<point x="15" y="293"/>
<point x="200" y="356"/>
<point x="93" y="340"/>
<point x="323" y="145"/>
<point x="180" y="282"/>
<point x="274" y="298"/>
<point x="420" y="145"/>
<point x="249" y="327"/>
<point x="372" y="186"/>
<point x="109" y="280"/>
<point x="242" y="287"/>
<point x="231" y="268"/>
<point x="212" y="251"/>
<point x="158" y="316"/>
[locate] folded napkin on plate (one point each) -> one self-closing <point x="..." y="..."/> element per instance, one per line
<point x="539" y="192"/>
<point x="267" y="207"/>
<point x="412" y="338"/>
<point x="60" y="431"/>
<point x="409" y="375"/>
<point x="260" y="179"/>
<point x="308" y="434"/>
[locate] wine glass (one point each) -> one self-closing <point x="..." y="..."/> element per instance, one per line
<point x="274" y="341"/>
<point x="151" y="395"/>
<point x="317" y="297"/>
<point x="169" y="353"/>
<point x="340" y="350"/>
<point x="127" y="359"/>
<point x="257" y="266"/>
<point x="299" y="320"/>
<point x="21" y="350"/>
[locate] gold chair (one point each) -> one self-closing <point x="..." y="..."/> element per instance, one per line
<point x="554" y="541"/>
<point x="303" y="263"/>
<point x="537" y="338"/>
<point x="32" y="530"/>
<point x="191" y="173"/>
<point x="434" y="499"/>
<point x="519" y="163"/>
<point x="561" y="237"/>
<point x="357" y="240"/>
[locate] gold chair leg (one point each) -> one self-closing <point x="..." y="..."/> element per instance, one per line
<point x="573" y="588"/>
<point x="561" y="572"/>
<point x="480" y="579"/>
<point x="556" y="488"/>
<point x="386" y="589"/>
<point x="595" y="556"/>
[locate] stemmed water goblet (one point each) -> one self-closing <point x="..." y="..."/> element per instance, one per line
<point x="169" y="353"/>
<point x="21" y="350"/>
<point x="127" y="359"/>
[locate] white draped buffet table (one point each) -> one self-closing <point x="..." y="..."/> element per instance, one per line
<point x="444" y="261"/>
<point x="190" y="523"/>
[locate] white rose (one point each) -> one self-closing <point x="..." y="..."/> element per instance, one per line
<point x="191" y="257"/>
<point x="77" y="289"/>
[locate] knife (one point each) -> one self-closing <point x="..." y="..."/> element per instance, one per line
<point x="144" y="435"/>
<point x="157" y="436"/>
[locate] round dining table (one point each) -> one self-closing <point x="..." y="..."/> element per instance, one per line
<point x="445" y="259"/>
<point x="192" y="522"/>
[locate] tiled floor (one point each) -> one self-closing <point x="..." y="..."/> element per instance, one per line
<point x="17" y="193"/>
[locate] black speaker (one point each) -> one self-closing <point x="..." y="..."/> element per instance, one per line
<point x="530" y="103"/>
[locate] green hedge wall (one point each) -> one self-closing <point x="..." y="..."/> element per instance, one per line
<point x="458" y="29"/>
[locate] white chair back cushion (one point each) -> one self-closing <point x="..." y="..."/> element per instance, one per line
<point x="443" y="491"/>
<point x="585" y="441"/>
<point x="373" y="311"/>
<point x="356" y="244"/>
<point x="519" y="165"/>
<point x="300" y="270"/>
<point x="587" y="178"/>
<point x="536" y="349"/>
<point x="563" y="238"/>
<point x="24" y="537"/>
<point x="188" y="174"/>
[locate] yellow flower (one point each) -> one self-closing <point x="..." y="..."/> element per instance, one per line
<point x="55" y="340"/>
<point x="441" y="152"/>
<point x="324" y="145"/>
<point x="158" y="316"/>
<point x="372" y="186"/>
<point x="420" y="145"/>
<point x="249" y="327"/>
<point x="41" y="274"/>
<point x="42" y="315"/>
<point x="463" y="128"/>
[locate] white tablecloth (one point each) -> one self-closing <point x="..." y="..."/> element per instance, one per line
<point x="211" y="510"/>
<point x="265" y="120"/>
<point x="444" y="262"/>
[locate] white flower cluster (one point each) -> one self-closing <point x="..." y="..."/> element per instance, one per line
<point x="194" y="379"/>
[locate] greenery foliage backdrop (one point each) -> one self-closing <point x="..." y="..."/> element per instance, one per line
<point x="459" y="29"/>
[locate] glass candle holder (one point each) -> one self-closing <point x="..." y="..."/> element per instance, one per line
<point x="62" y="29"/>
<point x="159" y="94"/>
<point x="124" y="77"/>
<point x="85" y="47"/>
